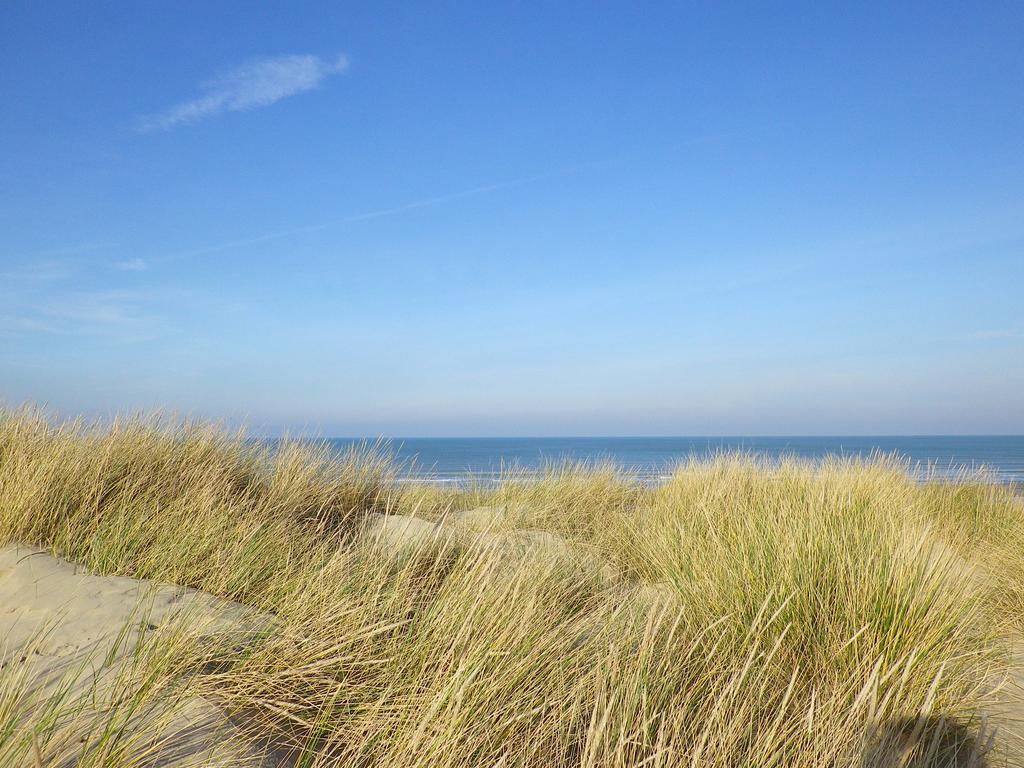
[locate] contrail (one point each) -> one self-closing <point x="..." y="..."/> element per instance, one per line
<point x="424" y="203"/>
<point x="377" y="214"/>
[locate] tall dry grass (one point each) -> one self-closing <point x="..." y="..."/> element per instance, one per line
<point x="183" y="502"/>
<point x="740" y="614"/>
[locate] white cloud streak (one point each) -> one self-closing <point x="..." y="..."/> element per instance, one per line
<point x="256" y="84"/>
<point x="48" y="298"/>
<point x="428" y="202"/>
<point x="130" y="265"/>
<point x="993" y="335"/>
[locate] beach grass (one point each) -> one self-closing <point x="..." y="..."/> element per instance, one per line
<point x="742" y="613"/>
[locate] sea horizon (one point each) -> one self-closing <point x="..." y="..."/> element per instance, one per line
<point x="449" y="459"/>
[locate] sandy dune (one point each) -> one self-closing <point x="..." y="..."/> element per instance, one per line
<point x="61" y="626"/>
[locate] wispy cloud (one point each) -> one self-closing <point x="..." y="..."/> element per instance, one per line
<point x="12" y="326"/>
<point x="44" y="266"/>
<point x="43" y="271"/>
<point x="113" y="314"/>
<point x="130" y="265"/>
<point x="258" y="83"/>
<point x="98" y="308"/>
<point x="60" y="298"/>
<point x="993" y="334"/>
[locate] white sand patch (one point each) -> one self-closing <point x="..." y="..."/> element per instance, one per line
<point x="72" y="641"/>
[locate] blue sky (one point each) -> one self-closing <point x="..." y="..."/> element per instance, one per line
<point x="517" y="219"/>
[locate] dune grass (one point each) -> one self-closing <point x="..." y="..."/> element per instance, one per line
<point x="740" y="614"/>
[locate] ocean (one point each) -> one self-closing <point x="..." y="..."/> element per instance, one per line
<point x="457" y="459"/>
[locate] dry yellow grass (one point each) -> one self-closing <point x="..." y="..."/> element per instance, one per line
<point x="839" y="614"/>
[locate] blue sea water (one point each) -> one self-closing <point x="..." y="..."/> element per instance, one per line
<point x="651" y="458"/>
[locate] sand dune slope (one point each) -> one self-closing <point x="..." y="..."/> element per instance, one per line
<point x="89" y="642"/>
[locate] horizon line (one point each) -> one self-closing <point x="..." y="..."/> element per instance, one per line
<point x="661" y="437"/>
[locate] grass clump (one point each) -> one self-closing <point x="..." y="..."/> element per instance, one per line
<point x="182" y="502"/>
<point x="834" y="614"/>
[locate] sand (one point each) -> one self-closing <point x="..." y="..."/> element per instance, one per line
<point x="61" y="626"/>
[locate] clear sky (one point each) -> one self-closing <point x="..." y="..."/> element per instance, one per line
<point x="517" y="218"/>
